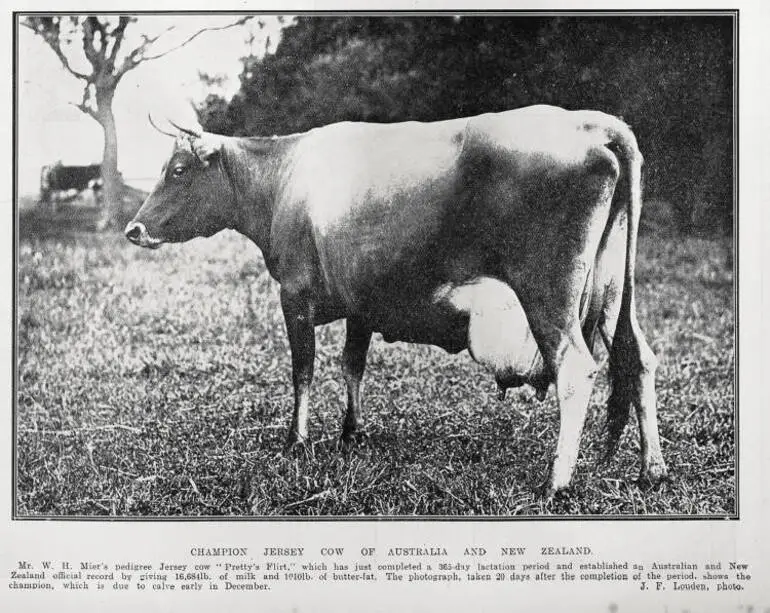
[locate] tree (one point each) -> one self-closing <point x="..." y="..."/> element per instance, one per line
<point x="102" y="41"/>
<point x="670" y="78"/>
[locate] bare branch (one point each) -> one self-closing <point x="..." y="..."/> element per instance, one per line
<point x="85" y="109"/>
<point x="136" y="56"/>
<point x="83" y="105"/>
<point x="49" y="32"/>
<point x="88" y="42"/>
<point x="237" y="22"/>
<point x="117" y="39"/>
<point x="139" y="54"/>
<point x="102" y="37"/>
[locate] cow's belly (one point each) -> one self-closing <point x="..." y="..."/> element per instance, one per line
<point x="418" y="319"/>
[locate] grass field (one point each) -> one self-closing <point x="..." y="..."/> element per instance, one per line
<point x="158" y="383"/>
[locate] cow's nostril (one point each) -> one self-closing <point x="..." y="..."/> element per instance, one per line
<point x="134" y="231"/>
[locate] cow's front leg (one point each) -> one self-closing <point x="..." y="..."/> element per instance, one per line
<point x="298" y="311"/>
<point x="353" y="365"/>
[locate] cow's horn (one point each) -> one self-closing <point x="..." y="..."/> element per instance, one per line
<point x="185" y="130"/>
<point x="154" y="125"/>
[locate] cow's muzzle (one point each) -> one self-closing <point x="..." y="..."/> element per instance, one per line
<point x="137" y="234"/>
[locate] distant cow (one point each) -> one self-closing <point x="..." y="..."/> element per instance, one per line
<point x="57" y="180"/>
<point x="502" y="233"/>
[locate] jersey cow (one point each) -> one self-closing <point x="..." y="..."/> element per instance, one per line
<point x="510" y="234"/>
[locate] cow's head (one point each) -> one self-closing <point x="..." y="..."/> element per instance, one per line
<point x="192" y="198"/>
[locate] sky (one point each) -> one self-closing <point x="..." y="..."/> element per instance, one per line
<point x="50" y="128"/>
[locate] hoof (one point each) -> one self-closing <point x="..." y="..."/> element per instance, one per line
<point x="551" y="498"/>
<point x="546" y="493"/>
<point x="346" y="441"/>
<point x="550" y="492"/>
<point x="295" y="441"/>
<point x="653" y="474"/>
<point x="350" y="438"/>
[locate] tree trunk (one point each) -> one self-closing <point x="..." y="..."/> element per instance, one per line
<point x="112" y="201"/>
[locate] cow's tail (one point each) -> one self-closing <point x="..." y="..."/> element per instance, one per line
<point x="624" y="342"/>
<point x="632" y="168"/>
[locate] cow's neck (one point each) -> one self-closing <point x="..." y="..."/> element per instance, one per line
<point x="254" y="167"/>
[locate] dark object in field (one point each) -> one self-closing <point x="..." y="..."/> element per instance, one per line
<point x="58" y="181"/>
<point x="502" y="233"/>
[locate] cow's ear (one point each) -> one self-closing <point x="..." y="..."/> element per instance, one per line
<point x="206" y="147"/>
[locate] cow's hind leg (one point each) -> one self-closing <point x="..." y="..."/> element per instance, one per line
<point x="574" y="372"/>
<point x="353" y="364"/>
<point x="632" y="374"/>
<point x="553" y="305"/>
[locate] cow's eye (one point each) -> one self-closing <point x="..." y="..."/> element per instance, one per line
<point x="178" y="171"/>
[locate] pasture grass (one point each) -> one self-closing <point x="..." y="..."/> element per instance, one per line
<point x="157" y="383"/>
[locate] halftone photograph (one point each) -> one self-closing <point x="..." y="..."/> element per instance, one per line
<point x="387" y="265"/>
